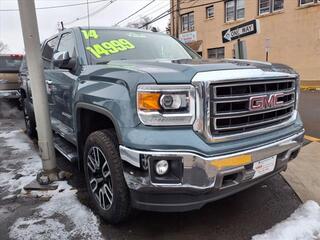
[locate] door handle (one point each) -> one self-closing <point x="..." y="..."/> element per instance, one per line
<point x="49" y="82"/>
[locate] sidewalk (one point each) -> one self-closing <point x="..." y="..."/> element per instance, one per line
<point x="303" y="173"/>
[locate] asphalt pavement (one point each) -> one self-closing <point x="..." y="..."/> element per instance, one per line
<point x="240" y="216"/>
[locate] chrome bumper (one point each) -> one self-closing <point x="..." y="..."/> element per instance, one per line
<point x="198" y="171"/>
<point x="12" y="94"/>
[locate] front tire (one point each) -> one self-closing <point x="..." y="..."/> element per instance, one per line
<point x="104" y="177"/>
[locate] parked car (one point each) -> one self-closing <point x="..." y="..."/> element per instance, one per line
<point x="9" y="79"/>
<point x="155" y="127"/>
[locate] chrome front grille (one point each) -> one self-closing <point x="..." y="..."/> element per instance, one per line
<point x="229" y="105"/>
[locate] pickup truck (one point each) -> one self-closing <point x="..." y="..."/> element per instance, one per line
<point x="155" y="127"/>
<point x="9" y="79"/>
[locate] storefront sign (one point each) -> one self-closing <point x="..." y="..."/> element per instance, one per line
<point x="188" y="37"/>
<point x="239" y="31"/>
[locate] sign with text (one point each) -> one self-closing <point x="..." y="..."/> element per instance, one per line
<point x="240" y="31"/>
<point x="188" y="37"/>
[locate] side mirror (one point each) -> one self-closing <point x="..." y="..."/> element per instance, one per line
<point x="63" y="60"/>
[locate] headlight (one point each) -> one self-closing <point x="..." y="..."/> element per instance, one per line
<point x="165" y="105"/>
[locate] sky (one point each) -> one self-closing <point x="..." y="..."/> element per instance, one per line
<point x="10" y="27"/>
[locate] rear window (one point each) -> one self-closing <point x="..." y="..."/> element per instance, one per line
<point x="10" y="63"/>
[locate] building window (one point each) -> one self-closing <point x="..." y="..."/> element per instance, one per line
<point x="187" y="22"/>
<point x="269" y="6"/>
<point x="216" y="53"/>
<point x="210" y="12"/>
<point x="277" y="5"/>
<point x="234" y="9"/>
<point x="240" y="9"/>
<point x="306" y="2"/>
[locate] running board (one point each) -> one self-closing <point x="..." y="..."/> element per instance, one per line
<point x="65" y="148"/>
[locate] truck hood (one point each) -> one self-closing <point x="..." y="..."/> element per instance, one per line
<point x="182" y="71"/>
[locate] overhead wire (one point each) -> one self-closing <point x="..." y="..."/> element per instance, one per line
<point x="139" y="10"/>
<point x="171" y="10"/>
<point x="55" y="6"/>
<point x="92" y="13"/>
<point x="151" y="11"/>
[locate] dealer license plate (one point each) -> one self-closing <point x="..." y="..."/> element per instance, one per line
<point x="264" y="166"/>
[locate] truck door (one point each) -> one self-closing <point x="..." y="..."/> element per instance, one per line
<point x="61" y="82"/>
<point x="47" y="54"/>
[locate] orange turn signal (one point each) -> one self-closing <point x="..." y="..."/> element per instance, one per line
<point x="149" y="101"/>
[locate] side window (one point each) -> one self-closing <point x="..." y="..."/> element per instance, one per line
<point x="47" y="52"/>
<point x="67" y="44"/>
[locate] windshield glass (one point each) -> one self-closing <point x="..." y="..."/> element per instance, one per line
<point x="103" y="45"/>
<point x="10" y="63"/>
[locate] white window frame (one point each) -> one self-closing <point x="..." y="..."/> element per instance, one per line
<point x="259" y="6"/>
<point x="235" y="11"/>
<point x="190" y="27"/>
<point x="271" y="8"/>
<point x="237" y="8"/>
<point x="226" y="11"/>
<point x="216" y="54"/>
<point x="309" y="3"/>
<point x="207" y="15"/>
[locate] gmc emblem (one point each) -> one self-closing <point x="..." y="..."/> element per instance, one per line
<point x="265" y="101"/>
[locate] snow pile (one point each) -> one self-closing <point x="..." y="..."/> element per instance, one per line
<point x="22" y="164"/>
<point x="62" y="217"/>
<point x="303" y="224"/>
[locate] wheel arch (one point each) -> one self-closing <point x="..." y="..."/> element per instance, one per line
<point x="104" y="119"/>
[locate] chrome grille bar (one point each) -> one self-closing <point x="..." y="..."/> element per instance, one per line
<point x="206" y="82"/>
<point x="229" y="105"/>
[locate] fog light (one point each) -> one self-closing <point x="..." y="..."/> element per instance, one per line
<point x="162" y="167"/>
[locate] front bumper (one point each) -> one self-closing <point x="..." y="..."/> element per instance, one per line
<point x="201" y="180"/>
<point x="10" y="94"/>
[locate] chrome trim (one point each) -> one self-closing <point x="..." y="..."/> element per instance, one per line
<point x="132" y="157"/>
<point x="249" y="125"/>
<point x="251" y="113"/>
<point x="241" y="112"/>
<point x="287" y="91"/>
<point x="9" y="94"/>
<point x="195" y="164"/>
<point x="70" y="157"/>
<point x="202" y="82"/>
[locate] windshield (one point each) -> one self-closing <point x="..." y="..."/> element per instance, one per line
<point x="10" y="63"/>
<point x="103" y="45"/>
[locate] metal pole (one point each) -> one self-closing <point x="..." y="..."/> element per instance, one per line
<point x="239" y="49"/>
<point x="178" y="19"/>
<point x="40" y="100"/>
<point x="172" y="31"/>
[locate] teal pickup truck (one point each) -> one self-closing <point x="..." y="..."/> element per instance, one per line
<point x="157" y="128"/>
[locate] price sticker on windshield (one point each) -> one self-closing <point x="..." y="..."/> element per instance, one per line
<point x="110" y="47"/>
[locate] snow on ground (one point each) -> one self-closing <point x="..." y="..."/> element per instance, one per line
<point x="62" y="217"/>
<point x="303" y="224"/>
<point x="21" y="166"/>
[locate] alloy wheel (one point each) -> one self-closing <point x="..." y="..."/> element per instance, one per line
<point x="100" y="177"/>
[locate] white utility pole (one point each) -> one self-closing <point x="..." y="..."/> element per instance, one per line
<point x="39" y="94"/>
